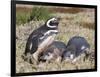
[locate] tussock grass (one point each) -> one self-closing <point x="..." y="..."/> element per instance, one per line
<point x="24" y="15"/>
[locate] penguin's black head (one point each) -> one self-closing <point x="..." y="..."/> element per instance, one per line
<point x="53" y="22"/>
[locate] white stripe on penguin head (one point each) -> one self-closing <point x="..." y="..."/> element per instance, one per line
<point x="48" y="25"/>
<point x="48" y="32"/>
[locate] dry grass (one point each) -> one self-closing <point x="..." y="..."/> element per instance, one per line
<point x="81" y="23"/>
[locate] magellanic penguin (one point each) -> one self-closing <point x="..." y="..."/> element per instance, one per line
<point x="54" y="52"/>
<point x="76" y="46"/>
<point x="41" y="38"/>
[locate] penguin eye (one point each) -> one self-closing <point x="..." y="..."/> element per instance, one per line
<point x="55" y="22"/>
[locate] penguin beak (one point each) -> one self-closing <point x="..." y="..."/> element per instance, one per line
<point x="58" y="19"/>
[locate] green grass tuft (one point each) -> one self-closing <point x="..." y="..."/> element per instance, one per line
<point x="39" y="13"/>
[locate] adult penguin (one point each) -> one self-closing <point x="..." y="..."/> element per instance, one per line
<point x="41" y="38"/>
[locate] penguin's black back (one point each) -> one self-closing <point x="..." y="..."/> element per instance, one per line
<point x="34" y="40"/>
<point x="78" y="42"/>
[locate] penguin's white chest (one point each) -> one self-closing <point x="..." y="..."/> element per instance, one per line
<point x="47" y="41"/>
